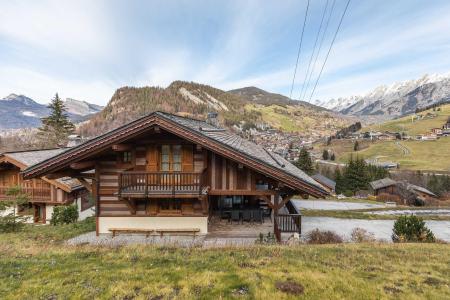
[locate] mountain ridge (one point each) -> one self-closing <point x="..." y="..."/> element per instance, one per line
<point x="20" y="111"/>
<point x="394" y="100"/>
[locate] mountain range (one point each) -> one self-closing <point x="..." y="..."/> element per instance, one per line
<point x="249" y="106"/>
<point x="19" y="111"/>
<point x="391" y="101"/>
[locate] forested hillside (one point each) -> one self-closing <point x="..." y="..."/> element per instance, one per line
<point x="195" y="100"/>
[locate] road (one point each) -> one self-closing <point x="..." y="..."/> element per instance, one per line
<point x="402" y="147"/>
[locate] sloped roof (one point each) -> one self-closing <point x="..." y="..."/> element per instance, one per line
<point x="381" y="183"/>
<point x="324" y="180"/>
<point x="32" y="157"/>
<point x="421" y="189"/>
<point x="197" y="130"/>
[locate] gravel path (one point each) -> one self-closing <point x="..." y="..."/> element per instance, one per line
<point x="135" y="239"/>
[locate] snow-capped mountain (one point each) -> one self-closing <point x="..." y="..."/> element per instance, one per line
<point x="394" y="100"/>
<point x="19" y="111"/>
<point x="81" y="108"/>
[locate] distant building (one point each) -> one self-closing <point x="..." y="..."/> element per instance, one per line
<point x="385" y="185"/>
<point x="326" y="182"/>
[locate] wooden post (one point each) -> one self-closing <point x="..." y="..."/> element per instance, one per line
<point x="276" y="229"/>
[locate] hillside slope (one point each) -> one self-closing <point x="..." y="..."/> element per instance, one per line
<point x="419" y="155"/>
<point x="196" y="100"/>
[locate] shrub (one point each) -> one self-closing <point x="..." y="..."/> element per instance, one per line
<point x="385" y="197"/>
<point x="411" y="229"/>
<point x="64" y="214"/>
<point x="317" y="236"/>
<point x="360" y="235"/>
<point x="348" y="193"/>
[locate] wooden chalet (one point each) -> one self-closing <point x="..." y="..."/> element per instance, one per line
<point x="383" y="186"/>
<point x="43" y="193"/>
<point x="164" y="172"/>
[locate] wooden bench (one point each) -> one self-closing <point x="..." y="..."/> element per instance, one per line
<point x="148" y="232"/>
<point x="193" y="231"/>
<point x="131" y="230"/>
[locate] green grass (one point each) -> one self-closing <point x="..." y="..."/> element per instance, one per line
<point x="424" y="155"/>
<point x="35" y="264"/>
<point x="413" y="128"/>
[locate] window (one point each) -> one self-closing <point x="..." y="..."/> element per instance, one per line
<point x="171" y="158"/>
<point x="170" y="205"/>
<point x="126" y="157"/>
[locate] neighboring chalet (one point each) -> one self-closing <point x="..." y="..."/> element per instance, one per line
<point x="383" y="186"/>
<point x="165" y="173"/>
<point x="43" y="193"/>
<point x="326" y="182"/>
<point x="389" y="186"/>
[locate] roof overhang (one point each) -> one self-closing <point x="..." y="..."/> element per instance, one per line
<point x="140" y="126"/>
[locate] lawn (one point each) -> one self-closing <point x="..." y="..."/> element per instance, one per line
<point x="35" y="264"/>
<point x="407" y="125"/>
<point x="424" y="155"/>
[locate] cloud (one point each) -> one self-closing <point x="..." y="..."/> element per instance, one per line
<point x="42" y="88"/>
<point x="74" y="28"/>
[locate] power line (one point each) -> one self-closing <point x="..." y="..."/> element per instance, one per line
<point x="299" y="49"/>
<point x="320" y="47"/>
<point x="329" y="50"/>
<point x="314" y="49"/>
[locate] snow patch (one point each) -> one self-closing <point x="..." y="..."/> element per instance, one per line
<point x="29" y="114"/>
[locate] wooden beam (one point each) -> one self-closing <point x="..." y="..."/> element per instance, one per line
<point x="122" y="147"/>
<point x="241" y="192"/>
<point x="131" y="205"/>
<point x="284" y="201"/>
<point x="56" y="175"/>
<point x="82" y="165"/>
<point x="86" y="184"/>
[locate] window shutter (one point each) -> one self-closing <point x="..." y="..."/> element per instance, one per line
<point x="188" y="158"/>
<point x="152" y="159"/>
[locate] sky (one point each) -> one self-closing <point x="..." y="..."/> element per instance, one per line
<point x="87" y="49"/>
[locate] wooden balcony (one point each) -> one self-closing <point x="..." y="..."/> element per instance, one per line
<point x="34" y="194"/>
<point x="160" y="184"/>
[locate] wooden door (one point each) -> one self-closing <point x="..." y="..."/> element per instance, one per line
<point x="152" y="159"/>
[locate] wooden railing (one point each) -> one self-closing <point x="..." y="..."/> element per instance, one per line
<point x="289" y="222"/>
<point x="34" y="194"/>
<point x="146" y="183"/>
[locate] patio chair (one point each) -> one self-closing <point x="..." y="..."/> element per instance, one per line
<point x="258" y="216"/>
<point x="235" y="216"/>
<point x="267" y="213"/>
<point x="247" y="215"/>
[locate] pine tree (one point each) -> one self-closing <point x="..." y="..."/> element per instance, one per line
<point x="304" y="162"/>
<point x="325" y="155"/>
<point x="356" y="146"/>
<point x="435" y="185"/>
<point x="56" y="127"/>
<point x="333" y="157"/>
<point x="340" y="184"/>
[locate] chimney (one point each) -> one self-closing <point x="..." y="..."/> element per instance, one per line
<point x="74" y="140"/>
<point x="212" y="119"/>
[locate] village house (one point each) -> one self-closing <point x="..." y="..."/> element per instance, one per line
<point x="169" y="174"/>
<point x="43" y="193"/>
<point x="391" y="187"/>
<point x="326" y="182"/>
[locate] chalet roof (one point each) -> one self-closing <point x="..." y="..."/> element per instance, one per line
<point x="324" y="180"/>
<point x="32" y="157"/>
<point x="198" y="130"/>
<point x="381" y="183"/>
<point x="421" y="189"/>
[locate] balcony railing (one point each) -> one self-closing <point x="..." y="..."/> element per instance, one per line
<point x="289" y="223"/>
<point x="159" y="183"/>
<point x="34" y="194"/>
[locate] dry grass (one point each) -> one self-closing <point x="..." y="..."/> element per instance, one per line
<point x="36" y="268"/>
